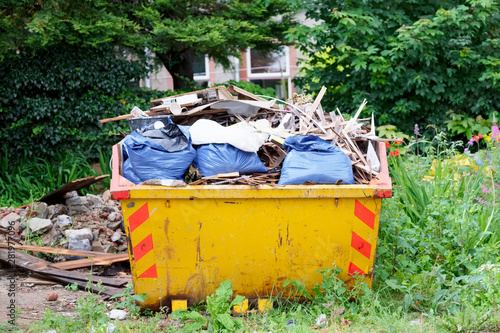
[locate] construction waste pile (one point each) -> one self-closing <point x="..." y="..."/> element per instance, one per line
<point x="228" y="136"/>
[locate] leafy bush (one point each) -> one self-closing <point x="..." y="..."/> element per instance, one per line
<point x="51" y="100"/>
<point x="412" y="60"/>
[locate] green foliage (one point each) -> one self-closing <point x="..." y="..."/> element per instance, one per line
<point x="51" y="101"/>
<point x="437" y="234"/>
<point x="412" y="60"/>
<point x="174" y="30"/>
<point x="218" y="309"/>
<point x="463" y="125"/>
<point x="251" y="88"/>
<point x="28" y="179"/>
<point x="90" y="310"/>
<point x="130" y="300"/>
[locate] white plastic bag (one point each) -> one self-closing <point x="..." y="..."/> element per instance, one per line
<point x="241" y="136"/>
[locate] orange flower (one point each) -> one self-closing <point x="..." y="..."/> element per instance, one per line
<point x="387" y="144"/>
<point x="477" y="137"/>
<point x="397" y="152"/>
<point x="391" y="153"/>
<point x="399" y="142"/>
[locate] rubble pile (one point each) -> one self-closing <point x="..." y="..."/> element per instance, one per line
<point x="84" y="223"/>
<point x="229" y="136"/>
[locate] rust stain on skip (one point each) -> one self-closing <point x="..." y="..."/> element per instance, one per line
<point x="165" y="228"/>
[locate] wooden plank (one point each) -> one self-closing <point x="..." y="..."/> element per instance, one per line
<point x="97" y="261"/>
<point x="56" y="196"/>
<point x="40" y="266"/>
<point x="159" y="101"/>
<point x="127" y="116"/>
<point x="238" y="91"/>
<point x="54" y="250"/>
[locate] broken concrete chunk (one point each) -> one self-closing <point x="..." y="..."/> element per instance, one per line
<point x="109" y="209"/>
<point x="70" y="194"/>
<point x="50" y="237"/>
<point x="10" y="220"/>
<point x="112" y="217"/>
<point x="79" y="244"/>
<point x="114" y="225"/>
<point x="118" y="314"/>
<point x="95" y="235"/>
<point x="64" y="220"/>
<point x="38" y="225"/>
<point x="95" y="200"/>
<point x="116" y="237"/>
<point x="56" y="210"/>
<point x="41" y="210"/>
<point x="77" y="201"/>
<point x="97" y="246"/>
<point x="81" y="234"/>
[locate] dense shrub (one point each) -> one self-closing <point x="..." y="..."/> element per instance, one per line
<point x="51" y="100"/>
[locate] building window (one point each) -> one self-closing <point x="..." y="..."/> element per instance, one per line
<point x="273" y="65"/>
<point x="201" y="69"/>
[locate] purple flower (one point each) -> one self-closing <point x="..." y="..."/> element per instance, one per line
<point x="495" y="132"/>
<point x="416" y="130"/>
<point x="466" y="149"/>
<point x="471" y="141"/>
<point x="485" y="189"/>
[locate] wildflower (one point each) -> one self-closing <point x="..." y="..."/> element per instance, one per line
<point x="466" y="150"/>
<point x="398" y="142"/>
<point x="416" y="130"/>
<point x="485" y="189"/>
<point x="391" y="153"/>
<point x="471" y="141"/>
<point x="397" y="152"/>
<point x="495" y="133"/>
<point x="387" y="144"/>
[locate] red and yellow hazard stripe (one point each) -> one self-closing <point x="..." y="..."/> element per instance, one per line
<point x="362" y="237"/>
<point x="142" y="243"/>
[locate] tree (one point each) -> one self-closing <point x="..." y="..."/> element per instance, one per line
<point x="412" y="60"/>
<point x="174" y="30"/>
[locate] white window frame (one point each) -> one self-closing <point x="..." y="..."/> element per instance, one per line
<point x="205" y="77"/>
<point x="284" y="74"/>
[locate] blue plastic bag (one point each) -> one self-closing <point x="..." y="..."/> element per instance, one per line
<point x="313" y="159"/>
<point x="213" y="159"/>
<point x="145" y="159"/>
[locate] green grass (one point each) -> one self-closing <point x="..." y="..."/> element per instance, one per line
<point x="28" y="179"/>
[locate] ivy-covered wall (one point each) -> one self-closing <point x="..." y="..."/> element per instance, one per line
<point x="51" y="100"/>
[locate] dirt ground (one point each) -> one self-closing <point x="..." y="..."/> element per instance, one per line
<point x="30" y="297"/>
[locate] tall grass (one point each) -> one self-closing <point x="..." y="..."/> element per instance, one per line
<point x="32" y="178"/>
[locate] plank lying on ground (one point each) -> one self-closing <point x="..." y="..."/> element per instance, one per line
<point x="56" y="196"/>
<point x="34" y="264"/>
<point x="97" y="261"/>
<point x="54" y="250"/>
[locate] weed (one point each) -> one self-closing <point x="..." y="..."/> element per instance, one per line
<point x="130" y="300"/>
<point x="218" y="311"/>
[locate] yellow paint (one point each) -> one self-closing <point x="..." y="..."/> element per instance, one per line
<point x="257" y="238"/>
<point x="265" y="305"/>
<point x="179" y="304"/>
<point x="242" y="307"/>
